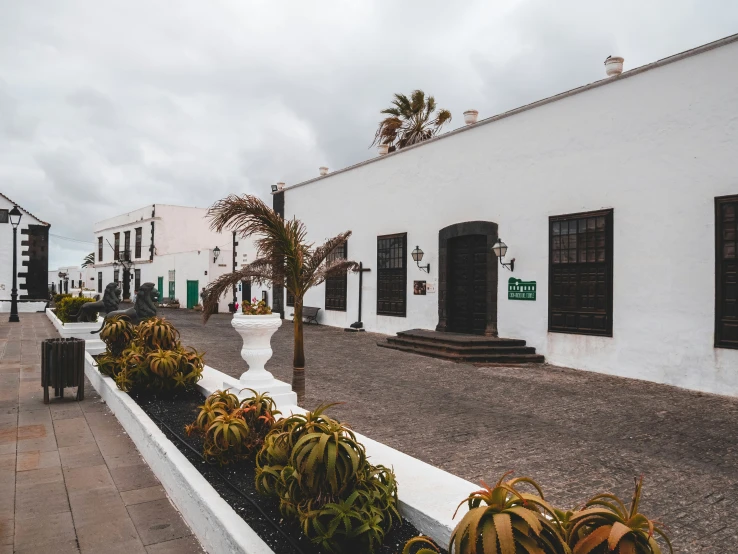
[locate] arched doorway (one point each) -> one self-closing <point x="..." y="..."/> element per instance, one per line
<point x="467" y="281"/>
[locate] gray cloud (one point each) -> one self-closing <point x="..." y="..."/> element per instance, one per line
<point x="108" y="106"/>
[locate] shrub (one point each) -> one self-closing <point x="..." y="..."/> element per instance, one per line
<point x="60" y="296"/>
<point x="69" y="306"/>
<point x="233" y="431"/>
<point x="320" y="473"/>
<point x="421" y="545"/>
<point x="606" y="525"/>
<point x="148" y="357"/>
<point x="256" y="308"/>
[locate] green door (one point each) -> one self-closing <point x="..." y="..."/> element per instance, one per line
<point x="160" y="286"/>
<point x="171" y="290"/>
<point x="192" y="294"/>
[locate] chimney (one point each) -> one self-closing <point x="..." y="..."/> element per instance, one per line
<point x="614" y="66"/>
<point x="470" y="117"/>
<point x="280" y="187"/>
<point x="323" y="170"/>
<point x="382" y="149"/>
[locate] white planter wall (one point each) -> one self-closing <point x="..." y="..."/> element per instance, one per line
<point x="658" y="147"/>
<point x="93" y="344"/>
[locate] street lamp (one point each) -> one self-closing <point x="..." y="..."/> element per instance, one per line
<point x="216" y="253"/>
<point x="500" y="249"/>
<point x="15" y="217"/>
<point x="417" y="255"/>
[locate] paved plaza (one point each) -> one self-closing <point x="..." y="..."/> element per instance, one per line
<point x="575" y="432"/>
<point x="70" y="478"/>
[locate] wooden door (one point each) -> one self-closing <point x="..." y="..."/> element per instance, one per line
<point x="467" y="284"/>
<point x="245" y="291"/>
<point x="192" y="294"/>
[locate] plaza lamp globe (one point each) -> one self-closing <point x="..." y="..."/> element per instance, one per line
<point x="417" y="255"/>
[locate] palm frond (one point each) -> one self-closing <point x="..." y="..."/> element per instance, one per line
<point x="412" y="120"/>
<point x="260" y="271"/>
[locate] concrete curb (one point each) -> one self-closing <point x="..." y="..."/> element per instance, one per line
<point x="216" y="525"/>
<point x="93" y="344"/>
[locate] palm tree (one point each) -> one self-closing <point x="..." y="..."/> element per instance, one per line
<point x="89" y="260"/>
<point x="283" y="257"/>
<point x="411" y="120"/>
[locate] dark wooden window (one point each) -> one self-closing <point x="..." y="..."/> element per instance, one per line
<point x="335" y="287"/>
<point x="116" y="254"/>
<point x="392" y="275"/>
<point x="726" y="272"/>
<point x="99" y="249"/>
<point x="127" y="245"/>
<point x="116" y="276"/>
<point x="137" y="279"/>
<point x="99" y="281"/>
<point x="580" y="273"/>
<point x="4" y="216"/>
<point x="138" y="241"/>
<point x="290" y="299"/>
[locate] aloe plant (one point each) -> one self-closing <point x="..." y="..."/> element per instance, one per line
<point x="157" y="332"/>
<point x="506" y="520"/>
<point x="421" y="545"/>
<point x="117" y="333"/>
<point x="606" y="525"/>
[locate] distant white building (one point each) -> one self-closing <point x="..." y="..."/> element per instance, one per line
<point x="32" y="252"/>
<point x="619" y="200"/>
<point x="170" y="246"/>
<point x="72" y="278"/>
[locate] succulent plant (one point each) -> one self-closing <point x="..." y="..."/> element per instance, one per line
<point x="606" y="525"/>
<point x="157" y="332"/>
<point x="421" y="545"/>
<point x="504" y="519"/>
<point x="117" y="332"/>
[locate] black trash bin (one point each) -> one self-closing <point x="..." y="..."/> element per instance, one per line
<point x="63" y="365"/>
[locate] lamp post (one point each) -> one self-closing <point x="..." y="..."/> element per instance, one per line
<point x="500" y="249"/>
<point x="15" y="217"/>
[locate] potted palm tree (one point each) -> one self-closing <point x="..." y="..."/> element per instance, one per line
<point x="283" y="258"/>
<point x="410" y="121"/>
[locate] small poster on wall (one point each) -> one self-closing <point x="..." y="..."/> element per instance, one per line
<point x="419" y="287"/>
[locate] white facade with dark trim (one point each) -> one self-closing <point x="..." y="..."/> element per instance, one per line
<point x="655" y="146"/>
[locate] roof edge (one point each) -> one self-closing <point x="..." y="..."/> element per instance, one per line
<point x="25" y="210"/>
<point x="548" y="100"/>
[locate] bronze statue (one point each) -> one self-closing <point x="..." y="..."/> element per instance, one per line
<point x="144" y="308"/>
<point x="109" y="303"/>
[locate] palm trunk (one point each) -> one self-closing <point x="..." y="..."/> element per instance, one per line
<point x="298" y="360"/>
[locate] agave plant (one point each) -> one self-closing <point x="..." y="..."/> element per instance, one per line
<point x="346" y="526"/>
<point x="421" y="545"/>
<point x="225" y="435"/>
<point x="116" y="333"/>
<point x="157" y="332"/>
<point x="163" y="363"/>
<point x="504" y="519"/>
<point x="605" y="525"/>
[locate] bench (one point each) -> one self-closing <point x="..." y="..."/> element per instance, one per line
<point x="309" y="314"/>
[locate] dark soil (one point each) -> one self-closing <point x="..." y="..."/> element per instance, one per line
<point x="173" y="413"/>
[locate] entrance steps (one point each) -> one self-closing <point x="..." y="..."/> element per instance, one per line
<point x="463" y="348"/>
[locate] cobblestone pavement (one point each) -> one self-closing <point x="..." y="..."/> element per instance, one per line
<point x="70" y="478"/>
<point x="575" y="432"/>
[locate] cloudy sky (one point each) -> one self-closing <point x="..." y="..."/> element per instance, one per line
<point x="108" y="105"/>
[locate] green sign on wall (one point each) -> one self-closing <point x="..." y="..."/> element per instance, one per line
<point x="521" y="290"/>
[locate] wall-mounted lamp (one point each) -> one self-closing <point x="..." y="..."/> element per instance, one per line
<point x="500" y="249"/>
<point x="275" y="188"/>
<point x="417" y="255"/>
<point x="216" y="253"/>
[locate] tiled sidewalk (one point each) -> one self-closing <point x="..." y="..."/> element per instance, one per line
<point x="70" y="478"/>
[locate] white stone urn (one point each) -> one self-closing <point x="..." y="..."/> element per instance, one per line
<point x="614" y="66"/>
<point x="470" y="117"/>
<point x="256" y="332"/>
<point x="383" y="149"/>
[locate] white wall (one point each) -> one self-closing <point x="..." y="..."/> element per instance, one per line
<point x="6" y="250"/>
<point x="658" y="147"/>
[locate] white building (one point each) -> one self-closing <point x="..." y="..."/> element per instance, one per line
<point x="170" y="246"/>
<point x="72" y="278"/>
<point x="32" y="253"/>
<point x="619" y="199"/>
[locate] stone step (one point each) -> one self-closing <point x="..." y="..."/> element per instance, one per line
<point x="496" y="358"/>
<point x="491" y="348"/>
<point x="454" y="339"/>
